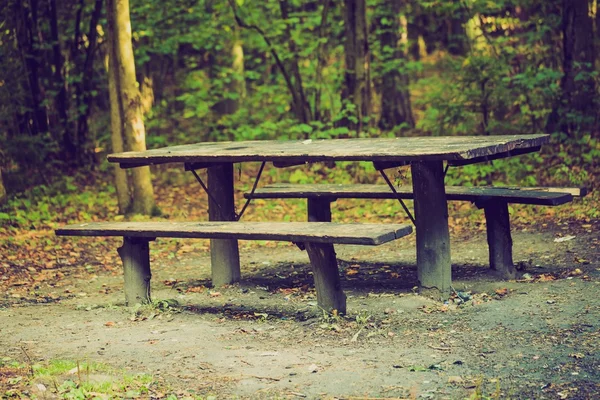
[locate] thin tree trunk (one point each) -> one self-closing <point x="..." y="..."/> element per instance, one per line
<point x="237" y="54"/>
<point x="85" y="152"/>
<point x="2" y="189"/>
<point x="576" y="111"/>
<point x="321" y="58"/>
<point x="27" y="37"/>
<point x="302" y="109"/>
<point x="357" y="77"/>
<point x="116" y="121"/>
<point x="147" y="89"/>
<point x="135" y="131"/>
<point x="61" y="101"/>
<point x="237" y="83"/>
<point x="393" y="84"/>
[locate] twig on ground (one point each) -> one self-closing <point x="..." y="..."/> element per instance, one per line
<point x="440" y="348"/>
<point x="264" y="377"/>
<point x="29" y="361"/>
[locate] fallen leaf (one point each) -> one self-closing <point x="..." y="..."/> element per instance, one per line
<point x="110" y="323"/>
<point x="564" y="239"/>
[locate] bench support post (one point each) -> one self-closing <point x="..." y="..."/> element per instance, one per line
<point x="499" y="238"/>
<point x="433" y="236"/>
<point x="327" y="277"/>
<point x="135" y="254"/>
<point x="224" y="253"/>
<point x="319" y="209"/>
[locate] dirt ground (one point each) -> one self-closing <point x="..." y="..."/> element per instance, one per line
<point x="536" y="337"/>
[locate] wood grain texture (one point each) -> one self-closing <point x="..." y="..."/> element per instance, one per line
<point x="433" y="236"/>
<point x="499" y="239"/>
<point x="327" y="277"/>
<point x="224" y="253"/>
<point x="315" y="232"/>
<point x="539" y="196"/>
<point x="135" y="254"/>
<point x="401" y="149"/>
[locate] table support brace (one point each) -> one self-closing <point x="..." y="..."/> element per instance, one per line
<point x="391" y="185"/>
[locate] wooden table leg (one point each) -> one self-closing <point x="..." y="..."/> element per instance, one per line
<point x="499" y="239"/>
<point x="433" y="237"/>
<point x="135" y="254"/>
<point x="319" y="209"/>
<point x="224" y="253"/>
<point x="323" y="261"/>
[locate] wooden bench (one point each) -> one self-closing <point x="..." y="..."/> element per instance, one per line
<point x="318" y="239"/>
<point x="493" y="200"/>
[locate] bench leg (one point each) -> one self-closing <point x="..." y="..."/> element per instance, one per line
<point x="135" y="254"/>
<point x="327" y="277"/>
<point x="499" y="238"/>
<point x="433" y="236"/>
<point x="319" y="210"/>
<point x="224" y="253"/>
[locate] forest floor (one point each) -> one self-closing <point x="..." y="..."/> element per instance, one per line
<point x="535" y="337"/>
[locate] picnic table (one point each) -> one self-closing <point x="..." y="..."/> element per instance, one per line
<point x="425" y="155"/>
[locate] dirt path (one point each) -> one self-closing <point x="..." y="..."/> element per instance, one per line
<point x="538" y="337"/>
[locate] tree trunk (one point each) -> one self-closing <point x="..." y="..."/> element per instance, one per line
<point x="28" y="38"/>
<point x="116" y="124"/>
<point x="393" y="84"/>
<point x="456" y="40"/>
<point x="84" y="89"/>
<point x="237" y="83"/>
<point x="357" y="82"/>
<point x="61" y="101"/>
<point x="322" y="52"/>
<point x="147" y="89"/>
<point x="130" y="98"/>
<point x="576" y="110"/>
<point x="2" y="189"/>
<point x="414" y="31"/>
<point x="301" y="106"/>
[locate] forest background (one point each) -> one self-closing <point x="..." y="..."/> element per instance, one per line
<point x="210" y="70"/>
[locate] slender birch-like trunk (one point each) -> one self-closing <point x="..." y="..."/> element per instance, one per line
<point x="133" y="131"/>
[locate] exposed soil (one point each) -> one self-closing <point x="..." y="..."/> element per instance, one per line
<point x="537" y="337"/>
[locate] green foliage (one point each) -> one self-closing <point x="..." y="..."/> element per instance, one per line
<point x="45" y="206"/>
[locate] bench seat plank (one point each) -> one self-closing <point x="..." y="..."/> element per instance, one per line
<point x="537" y="196"/>
<point x="320" y="232"/>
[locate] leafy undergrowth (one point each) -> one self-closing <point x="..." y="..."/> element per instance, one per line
<point x="75" y="380"/>
<point x="32" y="256"/>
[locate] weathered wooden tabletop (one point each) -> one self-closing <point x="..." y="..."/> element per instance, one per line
<point x="463" y="149"/>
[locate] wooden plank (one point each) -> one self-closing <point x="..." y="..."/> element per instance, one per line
<point x="380" y="150"/>
<point x="433" y="236"/>
<point x="224" y="253"/>
<point x="317" y="232"/>
<point x="454" y="193"/>
<point x="506" y="154"/>
<point x="581" y="191"/>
